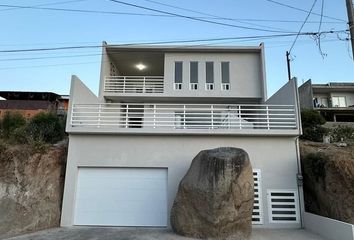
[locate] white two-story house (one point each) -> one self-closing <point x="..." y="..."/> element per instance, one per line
<point x="157" y="107"/>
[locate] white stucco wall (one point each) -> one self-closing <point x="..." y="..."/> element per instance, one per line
<point x="274" y="156"/>
<point x="246" y="78"/>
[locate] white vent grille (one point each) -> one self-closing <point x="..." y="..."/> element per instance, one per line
<point x="283" y="206"/>
<point x="257" y="215"/>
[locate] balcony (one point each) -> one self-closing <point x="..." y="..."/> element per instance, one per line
<point x="183" y="118"/>
<point x="134" y="84"/>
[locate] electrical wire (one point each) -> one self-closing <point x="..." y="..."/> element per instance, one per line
<point x="79" y="10"/>
<point x="303" y="24"/>
<point x="51" y="57"/>
<point x="194" y="18"/>
<point x="45" y="4"/>
<point x="169" y="42"/>
<point x="302" y="10"/>
<point x="212" y="15"/>
<point x="321" y="17"/>
<point x="38" y="7"/>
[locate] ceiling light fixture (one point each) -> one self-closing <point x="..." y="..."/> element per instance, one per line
<point x="140" y="66"/>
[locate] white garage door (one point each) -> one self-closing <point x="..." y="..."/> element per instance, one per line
<point x="121" y="197"/>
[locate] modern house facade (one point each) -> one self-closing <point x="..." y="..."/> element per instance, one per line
<point x="157" y="107"/>
<point x="334" y="100"/>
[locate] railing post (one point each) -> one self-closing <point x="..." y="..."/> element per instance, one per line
<point x="154" y="115"/>
<point x="184" y="116"/>
<point x="268" y="127"/>
<point x="239" y="117"/>
<point x="229" y="118"/>
<point x="163" y="84"/>
<point x="144" y="82"/>
<point x="212" y="116"/>
<point x="126" y="115"/>
<point x="124" y="85"/>
<point x="99" y="115"/>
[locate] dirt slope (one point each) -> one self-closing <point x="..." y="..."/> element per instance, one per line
<point x="31" y="187"/>
<point x="329" y="181"/>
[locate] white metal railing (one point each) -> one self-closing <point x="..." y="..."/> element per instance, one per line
<point x="183" y="116"/>
<point x="134" y="84"/>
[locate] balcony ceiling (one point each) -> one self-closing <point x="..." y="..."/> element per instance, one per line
<point x="126" y="62"/>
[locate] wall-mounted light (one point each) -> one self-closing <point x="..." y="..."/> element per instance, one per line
<point x="140" y="66"/>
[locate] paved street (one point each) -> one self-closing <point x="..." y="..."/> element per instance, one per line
<point x="108" y="233"/>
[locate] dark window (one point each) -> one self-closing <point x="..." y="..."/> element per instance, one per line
<point x="209" y="71"/>
<point x="178" y="72"/>
<point x="193" y="72"/>
<point x="225" y="72"/>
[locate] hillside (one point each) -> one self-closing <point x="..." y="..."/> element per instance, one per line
<point x="328" y="172"/>
<point x="31" y="187"/>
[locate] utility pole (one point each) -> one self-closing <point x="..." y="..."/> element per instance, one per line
<point x="288" y="62"/>
<point x="350" y="10"/>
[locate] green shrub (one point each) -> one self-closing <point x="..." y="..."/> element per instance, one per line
<point x="311" y="118"/>
<point x="311" y="121"/>
<point x="315" y="163"/>
<point x="45" y="127"/>
<point x="10" y="122"/>
<point x="314" y="134"/>
<point x="342" y="132"/>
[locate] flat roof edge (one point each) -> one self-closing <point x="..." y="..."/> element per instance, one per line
<point x="184" y="48"/>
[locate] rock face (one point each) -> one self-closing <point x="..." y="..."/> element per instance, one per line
<point x="215" y="197"/>
<point x="328" y="172"/>
<point x="31" y="188"/>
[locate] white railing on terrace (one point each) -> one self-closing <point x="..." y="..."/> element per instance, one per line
<point x="134" y="84"/>
<point x="183" y="116"/>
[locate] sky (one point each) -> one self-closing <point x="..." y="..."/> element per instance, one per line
<point x="36" y="24"/>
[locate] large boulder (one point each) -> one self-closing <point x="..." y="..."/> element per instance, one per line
<point x="215" y="197"/>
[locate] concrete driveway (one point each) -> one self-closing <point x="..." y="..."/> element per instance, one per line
<point x="109" y="233"/>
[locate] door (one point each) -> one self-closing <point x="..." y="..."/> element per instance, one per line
<point x="121" y="197"/>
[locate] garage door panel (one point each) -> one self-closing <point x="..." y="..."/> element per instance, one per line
<point x="127" y="205"/>
<point x="121" y="197"/>
<point x="129" y="194"/>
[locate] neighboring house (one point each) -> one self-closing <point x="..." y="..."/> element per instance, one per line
<point x="157" y="107"/>
<point x="334" y="100"/>
<point x="31" y="103"/>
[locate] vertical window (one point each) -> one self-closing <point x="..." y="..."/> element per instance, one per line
<point x="193" y="75"/>
<point x="209" y="73"/>
<point x="178" y="75"/>
<point x="225" y="75"/>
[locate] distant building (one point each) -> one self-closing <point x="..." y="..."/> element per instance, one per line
<point x="335" y="101"/>
<point x="31" y="103"/>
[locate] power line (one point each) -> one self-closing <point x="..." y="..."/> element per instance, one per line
<point x="194" y="18"/>
<point x="78" y="10"/>
<point x="211" y="15"/>
<point x="321" y="17"/>
<point x="303" y="24"/>
<point x="49" y="65"/>
<point x="52" y="57"/>
<point x="39" y="5"/>
<point x="168" y="42"/>
<point x="303" y="10"/>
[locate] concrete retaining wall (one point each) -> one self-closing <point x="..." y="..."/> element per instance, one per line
<point x="328" y="228"/>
